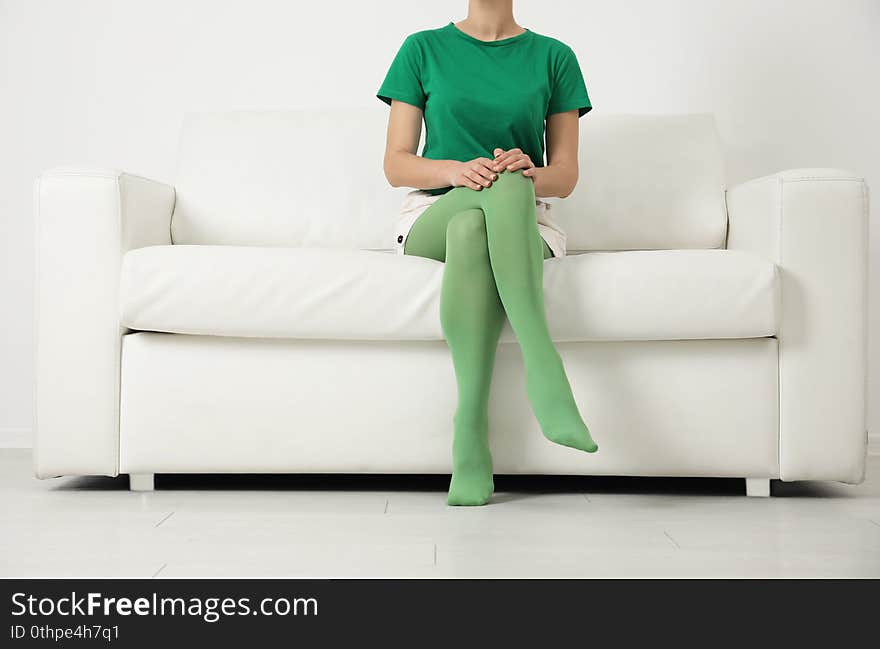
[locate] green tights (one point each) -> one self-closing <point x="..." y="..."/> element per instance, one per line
<point x="494" y="267"/>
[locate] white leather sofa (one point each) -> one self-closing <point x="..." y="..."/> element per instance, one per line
<point x="254" y="318"/>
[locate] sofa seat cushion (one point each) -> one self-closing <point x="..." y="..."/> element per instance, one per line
<point x="334" y="293"/>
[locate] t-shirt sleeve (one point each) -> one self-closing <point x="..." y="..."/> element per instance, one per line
<point x="568" y="88"/>
<point x="403" y="80"/>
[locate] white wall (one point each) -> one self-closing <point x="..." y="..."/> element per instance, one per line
<point x="105" y="82"/>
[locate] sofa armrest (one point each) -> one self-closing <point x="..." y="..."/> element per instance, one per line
<point x="813" y="223"/>
<point x="85" y="220"/>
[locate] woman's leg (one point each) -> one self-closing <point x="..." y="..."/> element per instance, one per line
<point x="516" y="258"/>
<point x="472" y="316"/>
<point x="514" y="245"/>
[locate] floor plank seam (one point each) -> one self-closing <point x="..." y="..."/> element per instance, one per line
<point x="170" y="514"/>
<point x="674" y="542"/>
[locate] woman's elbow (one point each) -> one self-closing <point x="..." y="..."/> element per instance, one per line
<point x="570" y="185"/>
<point x="390" y="169"/>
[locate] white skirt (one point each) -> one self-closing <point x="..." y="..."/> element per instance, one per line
<point x="418" y="200"/>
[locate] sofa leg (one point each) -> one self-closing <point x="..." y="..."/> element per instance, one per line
<point x="758" y="487"/>
<point x="141" y="481"/>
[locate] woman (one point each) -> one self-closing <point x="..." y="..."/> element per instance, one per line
<point x="485" y="87"/>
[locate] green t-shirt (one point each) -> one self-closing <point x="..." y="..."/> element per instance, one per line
<point x="477" y="95"/>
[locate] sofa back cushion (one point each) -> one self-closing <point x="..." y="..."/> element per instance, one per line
<point x="314" y="178"/>
<point x="285" y="178"/>
<point x="646" y="182"/>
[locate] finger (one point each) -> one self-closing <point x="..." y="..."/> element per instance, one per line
<point x="522" y="163"/>
<point x="464" y="181"/>
<point x="477" y="178"/>
<point x="498" y="151"/>
<point x="515" y="162"/>
<point x="502" y="161"/>
<point x="485" y="171"/>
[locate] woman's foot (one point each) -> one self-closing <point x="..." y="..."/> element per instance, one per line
<point x="473" y="486"/>
<point x="555" y="408"/>
<point x="472" y="482"/>
<point x="573" y="436"/>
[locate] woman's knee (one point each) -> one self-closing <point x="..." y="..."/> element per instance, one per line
<point x="467" y="232"/>
<point x="513" y="182"/>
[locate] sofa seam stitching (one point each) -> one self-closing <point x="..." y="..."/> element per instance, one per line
<point x="823" y="178"/>
<point x="780" y="341"/>
<point x="865" y="304"/>
<point x="37" y="282"/>
<point x="117" y="333"/>
<point x="779" y="177"/>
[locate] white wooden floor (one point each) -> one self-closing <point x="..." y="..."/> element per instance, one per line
<point x="286" y="526"/>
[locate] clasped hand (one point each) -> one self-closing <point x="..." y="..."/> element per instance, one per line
<point x="480" y="172"/>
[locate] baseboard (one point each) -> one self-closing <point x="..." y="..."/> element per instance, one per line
<point x="15" y="438"/>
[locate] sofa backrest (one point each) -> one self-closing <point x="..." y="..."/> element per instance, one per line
<point x="646" y="182"/>
<point x="284" y="178"/>
<point x="313" y="177"/>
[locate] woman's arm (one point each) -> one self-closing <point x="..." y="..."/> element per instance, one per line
<point x="560" y="176"/>
<point x="403" y="168"/>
